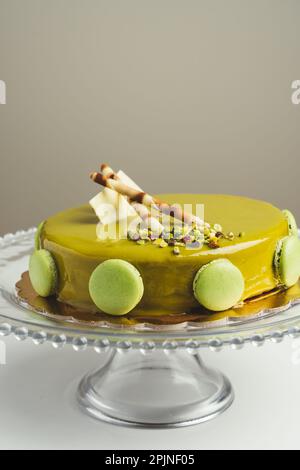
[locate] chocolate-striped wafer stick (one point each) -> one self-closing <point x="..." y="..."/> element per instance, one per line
<point x="144" y="198"/>
<point x="108" y="172"/>
<point x="121" y="188"/>
<point x="141" y="209"/>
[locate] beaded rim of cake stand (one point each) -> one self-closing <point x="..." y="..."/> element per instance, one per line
<point x="192" y="346"/>
<point x="143" y="340"/>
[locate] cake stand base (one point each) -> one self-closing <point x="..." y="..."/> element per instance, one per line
<point x="154" y="390"/>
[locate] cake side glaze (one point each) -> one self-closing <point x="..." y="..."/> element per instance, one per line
<point x="71" y="238"/>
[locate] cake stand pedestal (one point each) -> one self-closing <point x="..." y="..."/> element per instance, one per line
<point x="155" y="389"/>
<point x="151" y="376"/>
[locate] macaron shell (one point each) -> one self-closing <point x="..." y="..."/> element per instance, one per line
<point x="293" y="228"/>
<point x="116" y="287"/>
<point x="219" y="285"/>
<point x="43" y="273"/>
<point x="287" y="260"/>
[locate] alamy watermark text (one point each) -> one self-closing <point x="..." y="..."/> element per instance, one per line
<point x="2" y="353"/>
<point x="296" y="93"/>
<point x="2" y="92"/>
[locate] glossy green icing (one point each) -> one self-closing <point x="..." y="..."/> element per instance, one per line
<point x="168" y="279"/>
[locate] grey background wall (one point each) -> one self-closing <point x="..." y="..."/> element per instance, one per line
<point x="185" y="96"/>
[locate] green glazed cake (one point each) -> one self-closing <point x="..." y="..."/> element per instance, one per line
<point x="244" y="249"/>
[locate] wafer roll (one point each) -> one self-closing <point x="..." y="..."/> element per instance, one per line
<point x="143" y="211"/>
<point x="145" y="199"/>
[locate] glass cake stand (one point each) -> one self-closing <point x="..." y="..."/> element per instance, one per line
<point x="150" y="376"/>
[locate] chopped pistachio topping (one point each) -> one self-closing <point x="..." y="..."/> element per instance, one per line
<point x="190" y="237"/>
<point x="218" y="228"/>
<point x="230" y="235"/>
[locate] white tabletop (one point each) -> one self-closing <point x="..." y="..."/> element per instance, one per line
<point x="38" y="410"/>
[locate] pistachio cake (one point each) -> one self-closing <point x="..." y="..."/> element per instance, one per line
<point x="244" y="248"/>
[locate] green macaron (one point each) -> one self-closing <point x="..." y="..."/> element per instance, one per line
<point x="287" y="260"/>
<point x="293" y="229"/>
<point x="116" y="287"/>
<point x="37" y="237"/>
<point x="219" y="285"/>
<point x="43" y="273"/>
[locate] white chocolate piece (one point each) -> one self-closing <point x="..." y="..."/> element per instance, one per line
<point x="110" y="207"/>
